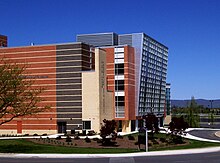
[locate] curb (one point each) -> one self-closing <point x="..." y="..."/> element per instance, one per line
<point x="141" y="154"/>
<point x="217" y="133"/>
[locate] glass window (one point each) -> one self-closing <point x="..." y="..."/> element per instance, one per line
<point x="119" y="65"/>
<point x="119" y="98"/>
<point x="87" y="125"/>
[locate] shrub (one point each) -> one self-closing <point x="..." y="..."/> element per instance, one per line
<point x="177" y="139"/>
<point x="95" y="139"/>
<point x="87" y="140"/>
<point x="163" y="140"/>
<point x="35" y="134"/>
<point x="58" y="137"/>
<point x="120" y="137"/>
<point x="99" y="141"/>
<point x="130" y="137"/>
<point x="76" y="137"/>
<point x="91" y="133"/>
<point x="44" y="134"/>
<point x="154" y="141"/>
<point x="68" y="139"/>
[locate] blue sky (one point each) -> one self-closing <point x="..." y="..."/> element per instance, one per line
<point x="190" y="28"/>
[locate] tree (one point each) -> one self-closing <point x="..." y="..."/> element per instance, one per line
<point x="107" y="131"/>
<point x="17" y="96"/>
<point x="192" y="116"/>
<point x="151" y="123"/>
<point x="211" y="118"/>
<point x="177" y="127"/>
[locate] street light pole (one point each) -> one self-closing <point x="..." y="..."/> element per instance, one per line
<point x="146" y="140"/>
<point x="211" y="103"/>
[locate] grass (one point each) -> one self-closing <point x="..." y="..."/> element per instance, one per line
<point x="24" y="146"/>
<point x="192" y="144"/>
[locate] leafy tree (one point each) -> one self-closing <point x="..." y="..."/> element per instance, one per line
<point x="151" y="123"/>
<point x="192" y="116"/>
<point x="211" y="118"/>
<point x="177" y="127"/>
<point x="17" y="96"/>
<point x="107" y="131"/>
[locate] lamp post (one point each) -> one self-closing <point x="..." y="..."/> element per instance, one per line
<point x="146" y="140"/>
<point x="211" y="101"/>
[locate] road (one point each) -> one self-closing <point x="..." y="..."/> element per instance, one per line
<point x="186" y="158"/>
<point x="207" y="134"/>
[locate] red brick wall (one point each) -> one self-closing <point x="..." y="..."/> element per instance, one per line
<point x="130" y="97"/>
<point x="40" y="62"/>
<point x="129" y="74"/>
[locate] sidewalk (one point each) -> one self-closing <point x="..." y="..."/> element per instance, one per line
<point x="156" y="153"/>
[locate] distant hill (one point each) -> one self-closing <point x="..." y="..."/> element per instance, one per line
<point x="205" y="103"/>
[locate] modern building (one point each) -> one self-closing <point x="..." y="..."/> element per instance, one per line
<point x="101" y="76"/>
<point x="150" y="68"/>
<point x="168" y="100"/>
<point x="74" y="79"/>
<point x="121" y="81"/>
<point x="3" y="41"/>
<point x="167" y="111"/>
<point x="99" y="39"/>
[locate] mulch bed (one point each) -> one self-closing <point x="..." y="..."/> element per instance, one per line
<point x="119" y="143"/>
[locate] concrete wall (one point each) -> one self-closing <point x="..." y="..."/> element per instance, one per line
<point x="97" y="103"/>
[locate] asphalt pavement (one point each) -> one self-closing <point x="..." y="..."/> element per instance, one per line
<point x="212" y="157"/>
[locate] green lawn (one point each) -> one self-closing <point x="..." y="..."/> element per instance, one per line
<point x="23" y="146"/>
<point x="192" y="144"/>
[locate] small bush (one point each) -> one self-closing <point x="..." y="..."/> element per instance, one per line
<point x="68" y="139"/>
<point x="26" y="134"/>
<point x="130" y="137"/>
<point x="87" y="140"/>
<point x="91" y="133"/>
<point x="162" y="140"/>
<point x="177" y="139"/>
<point x="35" y="134"/>
<point x="58" y="137"/>
<point x="95" y="139"/>
<point x="120" y="137"/>
<point x="154" y="141"/>
<point x="44" y="134"/>
<point x="99" y="141"/>
<point x="76" y="137"/>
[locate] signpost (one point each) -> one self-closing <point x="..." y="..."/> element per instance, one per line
<point x="143" y="138"/>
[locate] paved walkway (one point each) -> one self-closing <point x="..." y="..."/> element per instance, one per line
<point x="156" y="153"/>
<point x="217" y="134"/>
<point x="203" y="134"/>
